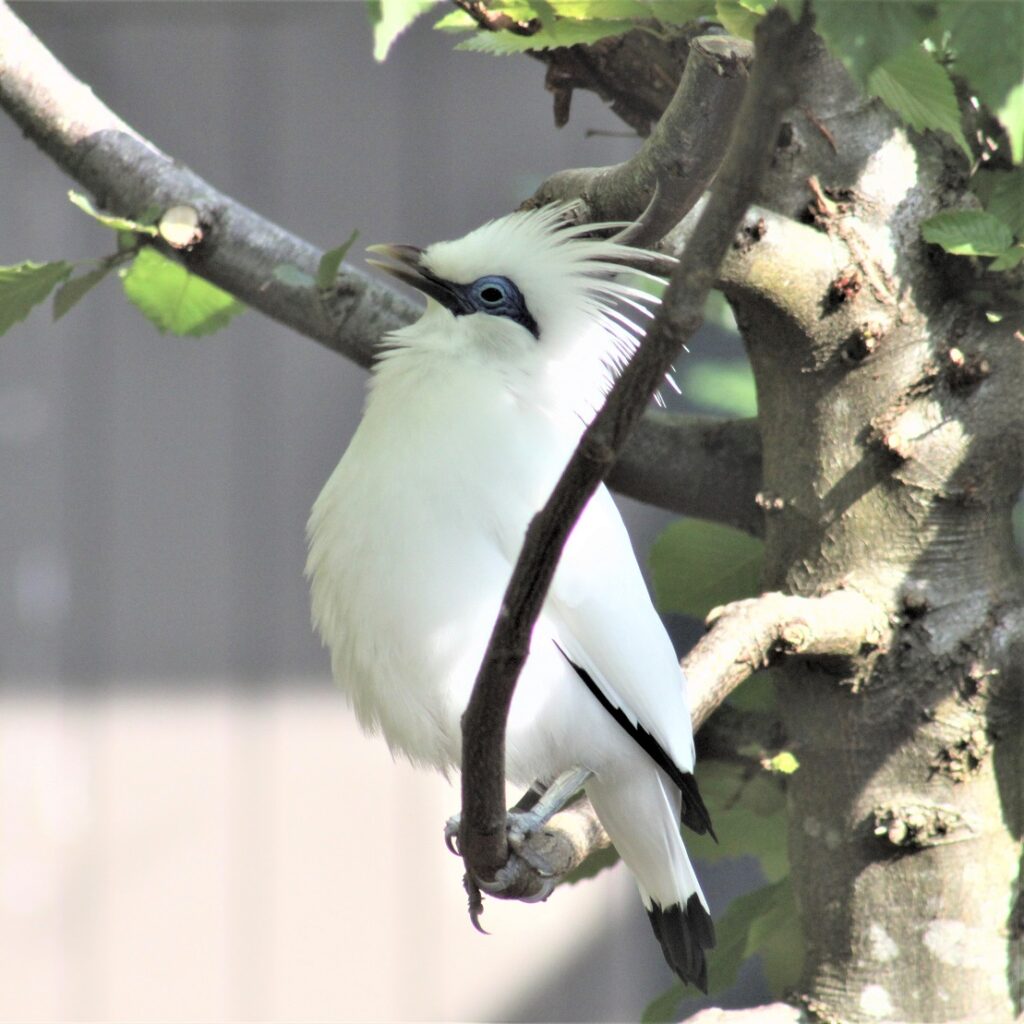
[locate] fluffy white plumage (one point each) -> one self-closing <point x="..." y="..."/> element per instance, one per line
<point x="472" y="414"/>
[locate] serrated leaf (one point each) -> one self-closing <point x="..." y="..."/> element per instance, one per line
<point x="968" y="233"/>
<point x="175" y="300"/>
<point x="985" y="38"/>
<point x="295" y="277"/>
<point x="725" y="386"/>
<point x="390" y="18"/>
<point x="25" y="285"/>
<point x="556" y="33"/>
<point x="327" y="271"/>
<point x="69" y="293"/>
<point x="697" y="565"/>
<point x="1009" y="259"/>
<point x="593" y="10"/>
<point x="747" y="810"/>
<point x="918" y="88"/>
<point x="1002" y="195"/>
<point x="866" y="33"/>
<point x="109" y="220"/>
<point x="761" y="922"/>
<point x="679" y="12"/>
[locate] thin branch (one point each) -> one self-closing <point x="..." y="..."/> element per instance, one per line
<point x="656" y="186"/>
<point x="688" y="465"/>
<point x="127" y="174"/>
<point x="744" y="637"/>
<point x="749" y="635"/>
<point x="497" y="21"/>
<point x="780" y="46"/>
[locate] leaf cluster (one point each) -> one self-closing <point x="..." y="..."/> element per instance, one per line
<point x="170" y="297"/>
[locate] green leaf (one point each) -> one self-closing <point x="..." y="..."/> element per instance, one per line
<point x="679" y="12"/>
<point x="783" y="763"/>
<point x="290" y="274"/>
<point x="1002" y="195"/>
<point x="918" y="88"/>
<point x="968" y="233"/>
<point x="554" y="33"/>
<point x="109" y="220"/>
<point x="986" y="38"/>
<point x="761" y="922"/>
<point x="69" y="293"/>
<point x="665" y="1009"/>
<point x="866" y="33"/>
<point x="25" y="285"/>
<point x="331" y="260"/>
<point x="390" y="18"/>
<point x="722" y="385"/>
<point x="697" y="566"/>
<point x="740" y="17"/>
<point x="1009" y="259"/>
<point x="175" y="300"/>
<point x="747" y="808"/>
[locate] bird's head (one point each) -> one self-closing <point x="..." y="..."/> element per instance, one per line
<point x="532" y="291"/>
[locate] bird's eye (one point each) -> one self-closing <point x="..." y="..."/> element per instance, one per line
<point x="494" y="292"/>
<point x="498" y="296"/>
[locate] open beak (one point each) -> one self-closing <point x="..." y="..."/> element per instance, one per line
<point x="408" y="269"/>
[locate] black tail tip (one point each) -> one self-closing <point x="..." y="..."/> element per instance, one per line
<point x="685" y="933"/>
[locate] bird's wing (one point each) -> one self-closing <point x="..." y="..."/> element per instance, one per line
<point x="602" y="618"/>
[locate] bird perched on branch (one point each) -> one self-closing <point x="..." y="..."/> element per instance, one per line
<point x="473" y="412"/>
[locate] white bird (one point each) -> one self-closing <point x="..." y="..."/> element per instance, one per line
<point x="472" y="413"/>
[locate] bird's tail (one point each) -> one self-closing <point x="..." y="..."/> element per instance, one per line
<point x="640" y="812"/>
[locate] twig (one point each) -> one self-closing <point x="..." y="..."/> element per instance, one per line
<point x="497" y="21"/>
<point x="677" y="162"/>
<point x="780" y="46"/>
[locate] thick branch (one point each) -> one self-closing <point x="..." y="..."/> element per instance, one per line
<point x="678" y="160"/>
<point x="696" y="466"/>
<point x="772" y="90"/>
<point x="744" y="636"/>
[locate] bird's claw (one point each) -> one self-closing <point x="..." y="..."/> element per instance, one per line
<point x="451" y="835"/>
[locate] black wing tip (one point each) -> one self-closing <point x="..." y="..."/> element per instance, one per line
<point x="685" y="933"/>
<point x="695" y="814"/>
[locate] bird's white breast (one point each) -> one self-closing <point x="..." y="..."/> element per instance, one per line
<point x="407" y="561"/>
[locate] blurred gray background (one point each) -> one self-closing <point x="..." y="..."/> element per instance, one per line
<point x="159" y="681"/>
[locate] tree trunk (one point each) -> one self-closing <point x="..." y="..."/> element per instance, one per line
<point x="893" y="446"/>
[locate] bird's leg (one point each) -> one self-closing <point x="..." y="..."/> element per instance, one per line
<point x="530" y="814"/>
<point x="525" y="803"/>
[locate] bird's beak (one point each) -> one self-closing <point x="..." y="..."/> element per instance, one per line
<point x="408" y="269"/>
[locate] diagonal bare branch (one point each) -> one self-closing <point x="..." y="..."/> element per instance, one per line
<point x="780" y="44"/>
